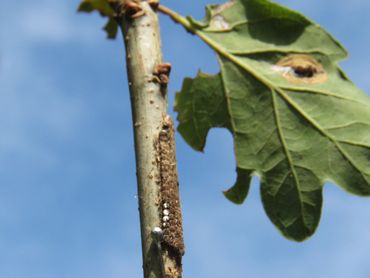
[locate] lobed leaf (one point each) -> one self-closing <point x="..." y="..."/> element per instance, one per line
<point x="296" y="119"/>
<point x="105" y="9"/>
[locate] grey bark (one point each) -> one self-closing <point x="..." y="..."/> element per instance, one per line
<point x="149" y="108"/>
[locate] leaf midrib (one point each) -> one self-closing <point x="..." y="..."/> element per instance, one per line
<point x="288" y="156"/>
<point x="248" y="22"/>
<point x="322" y="92"/>
<point x="221" y="50"/>
<point x="297" y="108"/>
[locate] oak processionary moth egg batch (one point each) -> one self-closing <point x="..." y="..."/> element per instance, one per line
<point x="170" y="210"/>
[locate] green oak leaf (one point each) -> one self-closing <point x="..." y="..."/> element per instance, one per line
<point x="105" y="9"/>
<point x="296" y="119"/>
<point x="239" y="191"/>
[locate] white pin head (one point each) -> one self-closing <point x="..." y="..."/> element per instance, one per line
<point x="157" y="234"/>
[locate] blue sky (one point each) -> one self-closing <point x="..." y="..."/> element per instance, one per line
<point x="68" y="205"/>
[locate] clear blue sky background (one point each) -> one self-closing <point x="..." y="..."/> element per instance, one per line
<point x="68" y="205"/>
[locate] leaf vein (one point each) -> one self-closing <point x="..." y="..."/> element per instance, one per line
<point x="316" y="125"/>
<point x="286" y="151"/>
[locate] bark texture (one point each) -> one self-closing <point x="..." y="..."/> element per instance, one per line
<point x="149" y="110"/>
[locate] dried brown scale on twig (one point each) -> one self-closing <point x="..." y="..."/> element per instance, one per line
<point x="161" y="74"/>
<point x="170" y="208"/>
<point x="154" y="4"/>
<point x="126" y="8"/>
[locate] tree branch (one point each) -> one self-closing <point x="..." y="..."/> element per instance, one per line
<point x="148" y="77"/>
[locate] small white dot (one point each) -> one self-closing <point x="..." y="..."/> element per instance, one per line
<point x="157" y="233"/>
<point x="166" y="212"/>
<point x="165" y="205"/>
<point x="166" y="218"/>
<point x="157" y="230"/>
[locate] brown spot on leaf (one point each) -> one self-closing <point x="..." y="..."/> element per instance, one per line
<point x="301" y="68"/>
